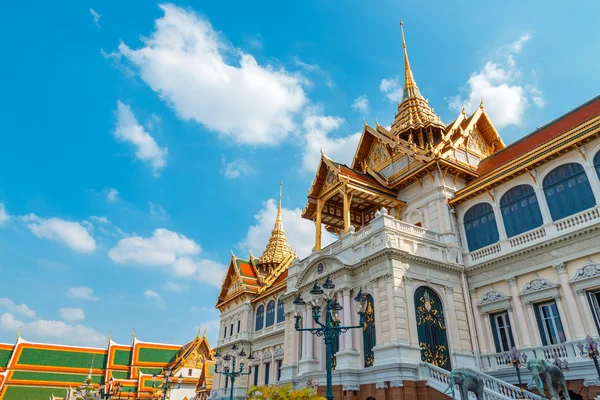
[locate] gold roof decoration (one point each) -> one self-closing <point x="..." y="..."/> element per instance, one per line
<point x="277" y="249"/>
<point x="413" y="111"/>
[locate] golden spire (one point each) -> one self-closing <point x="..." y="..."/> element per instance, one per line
<point x="411" y="90"/>
<point x="413" y="111"/>
<point x="277" y="249"/>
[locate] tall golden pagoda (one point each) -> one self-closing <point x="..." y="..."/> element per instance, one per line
<point x="277" y="249"/>
<point x="415" y="121"/>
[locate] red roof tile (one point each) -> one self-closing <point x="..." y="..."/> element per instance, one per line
<point x="549" y="131"/>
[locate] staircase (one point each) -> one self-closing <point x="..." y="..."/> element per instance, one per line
<point x="495" y="389"/>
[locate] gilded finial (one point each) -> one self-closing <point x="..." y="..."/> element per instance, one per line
<point x="109" y="338"/>
<point x="133" y="333"/>
<point x="19" y="332"/>
<point x="481" y="104"/>
<point x="411" y="89"/>
<point x="198" y="333"/>
<point x="205" y="328"/>
<point x="364" y="122"/>
<point x="376" y="123"/>
<point x="463" y="111"/>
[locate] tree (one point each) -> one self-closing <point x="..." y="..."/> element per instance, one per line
<point x="286" y="392"/>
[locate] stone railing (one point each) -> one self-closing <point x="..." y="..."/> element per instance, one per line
<point x="538" y="235"/>
<point x="233" y="338"/>
<point x="566" y="350"/>
<point x="416" y="230"/>
<point x="495" y="389"/>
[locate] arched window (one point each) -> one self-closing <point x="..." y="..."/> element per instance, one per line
<point x="260" y="316"/>
<point x="597" y="163"/>
<point x="280" y="315"/>
<point x="568" y="191"/>
<point x="369" y="339"/>
<point x="480" y="226"/>
<point x="270" y="313"/>
<point x="520" y="210"/>
<point x="431" y="328"/>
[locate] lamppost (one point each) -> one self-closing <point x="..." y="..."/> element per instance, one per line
<point x="563" y="365"/>
<point x="166" y="383"/>
<point x="590" y="350"/>
<point x="230" y="372"/>
<point x="332" y="328"/>
<point x="517" y="360"/>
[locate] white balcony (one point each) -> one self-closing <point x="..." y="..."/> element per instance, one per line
<point x="536" y="236"/>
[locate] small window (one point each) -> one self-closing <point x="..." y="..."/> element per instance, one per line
<point x="224" y="331"/>
<point x="549" y="323"/>
<point x="270" y="313"/>
<point x="594" y="298"/>
<point x="238" y="331"/>
<point x="260" y="316"/>
<point x="190" y="372"/>
<point x="503" y="338"/>
<point x="231" y="330"/>
<point x="267" y="371"/>
<point x="279" y="363"/>
<point x="256" y="375"/>
<point x="280" y="309"/>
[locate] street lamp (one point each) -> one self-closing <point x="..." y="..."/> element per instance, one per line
<point x="563" y="365"/>
<point x="229" y="362"/>
<point x="332" y="328"/>
<point x="166" y="383"/>
<point x="590" y="350"/>
<point x="517" y="360"/>
<point x="108" y="392"/>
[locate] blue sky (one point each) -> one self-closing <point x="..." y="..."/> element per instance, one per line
<point x="141" y="142"/>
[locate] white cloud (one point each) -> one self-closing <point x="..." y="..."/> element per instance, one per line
<point x="96" y="17"/>
<point x="112" y="195"/>
<point x="171" y="250"/>
<point x="317" y="137"/>
<point x="500" y="84"/>
<point x="163" y="247"/>
<point x="361" y="103"/>
<point x="16" y="308"/>
<point x="82" y="292"/>
<point x="72" y="234"/>
<point x="72" y="315"/>
<point x="55" y="331"/>
<point x="101" y="220"/>
<point x="129" y="130"/>
<point x="203" y="78"/>
<point x="300" y="232"/>
<point x="157" y="298"/>
<point x="392" y="88"/>
<point x="236" y="168"/>
<point x="175" y="287"/>
<point x="4" y="217"/>
<point x="156" y="210"/>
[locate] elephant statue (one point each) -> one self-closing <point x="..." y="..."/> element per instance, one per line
<point x="549" y="375"/>
<point x="467" y="381"/>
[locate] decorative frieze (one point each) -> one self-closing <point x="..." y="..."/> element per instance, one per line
<point x="396" y="384"/>
<point x="493" y="296"/>
<point x="346" y="388"/>
<point x="381" y="385"/>
<point x="536" y="285"/>
<point x="587" y="272"/>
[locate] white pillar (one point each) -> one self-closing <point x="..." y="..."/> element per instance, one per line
<point x="586" y="313"/>
<point x="347" y="320"/>
<point x="391" y="301"/>
<point x="479" y="331"/>
<point x="593" y="180"/>
<point x="294" y="350"/>
<point x="499" y="222"/>
<point x="544" y="210"/>
<point x="377" y="309"/>
<point x="563" y="318"/>
<point x="522" y="326"/>
<point x="305" y="335"/>
<point x="450" y="317"/>
<point x="273" y="377"/>
<point x="412" y="315"/>
<point x="309" y="337"/>
<point x="573" y="317"/>
<point x="511" y="318"/>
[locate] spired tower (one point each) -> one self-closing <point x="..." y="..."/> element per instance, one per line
<point x="252" y="310"/>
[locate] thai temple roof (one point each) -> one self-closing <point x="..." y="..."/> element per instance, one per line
<point x="277" y="249"/>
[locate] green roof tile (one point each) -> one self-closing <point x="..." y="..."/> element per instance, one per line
<point x="4" y="357"/>
<point x="156" y="355"/>
<point x="53" y="377"/>
<point x="58" y="358"/>
<point x="32" y="393"/>
<point x="122" y="357"/>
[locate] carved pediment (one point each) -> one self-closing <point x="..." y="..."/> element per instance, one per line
<point x="537" y="285"/>
<point x="378" y="156"/>
<point x="587" y="272"/>
<point x="492" y="296"/>
<point x="477" y="143"/>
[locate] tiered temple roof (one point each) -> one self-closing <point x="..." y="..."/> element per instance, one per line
<point x="255" y="278"/>
<point x="35" y="371"/>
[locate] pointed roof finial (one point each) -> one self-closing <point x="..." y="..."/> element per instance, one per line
<point x="133" y="333"/>
<point x="109" y="338"/>
<point x="411" y="89"/>
<point x="481" y="104"/>
<point x="278" y="219"/>
<point x="277" y="249"/>
<point x="205" y="328"/>
<point x="364" y="122"/>
<point x="19" y="332"/>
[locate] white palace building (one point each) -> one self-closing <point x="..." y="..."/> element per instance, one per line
<point x="500" y="243"/>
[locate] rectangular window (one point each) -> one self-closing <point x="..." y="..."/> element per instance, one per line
<point x="226" y="382"/>
<point x="267" y="371"/>
<point x="238" y="326"/>
<point x="279" y="363"/>
<point x="549" y="324"/>
<point x="503" y="338"/>
<point x="231" y="330"/>
<point x="224" y="331"/>
<point x="594" y="298"/>
<point x="256" y="375"/>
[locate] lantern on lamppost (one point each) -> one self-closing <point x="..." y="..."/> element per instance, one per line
<point x="590" y="350"/>
<point x="517" y="360"/>
<point x="229" y="362"/>
<point x="167" y="381"/>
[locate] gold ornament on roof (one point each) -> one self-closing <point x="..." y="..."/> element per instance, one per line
<point x="277" y="249"/>
<point x="413" y="111"/>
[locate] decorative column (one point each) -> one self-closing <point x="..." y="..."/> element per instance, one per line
<point x="377" y="309"/>
<point x="391" y="301"/>
<point x="309" y="337"/>
<point x="592" y="178"/>
<point x="590" y="325"/>
<point x="318" y="226"/>
<point x="522" y="326"/>
<point x="273" y="371"/>
<point x="412" y="315"/>
<point x="450" y="318"/>
<point x="499" y="221"/>
<point x="294" y="350"/>
<point x="305" y="335"/>
<point x="573" y="317"/>
<point x="479" y="332"/>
